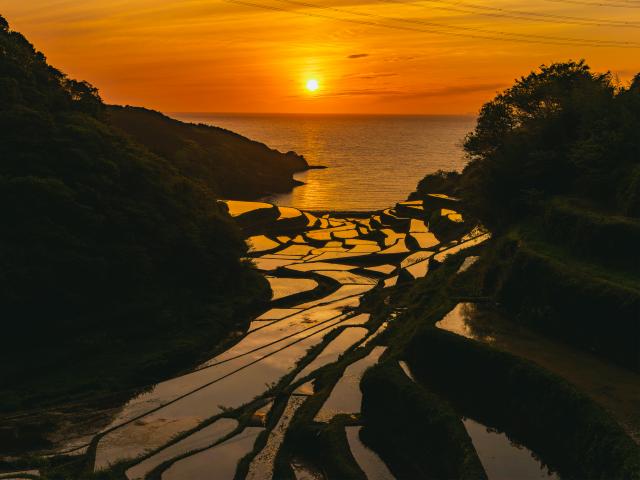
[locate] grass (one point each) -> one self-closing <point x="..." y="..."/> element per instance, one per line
<point x="539" y="409"/>
<point x="567" y="258"/>
<point x="535" y="407"/>
<point x="417" y="433"/>
<point x="578" y="300"/>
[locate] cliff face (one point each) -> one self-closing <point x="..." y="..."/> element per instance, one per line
<point x="229" y="164"/>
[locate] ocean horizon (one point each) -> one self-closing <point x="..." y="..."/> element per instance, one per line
<point x="372" y="160"/>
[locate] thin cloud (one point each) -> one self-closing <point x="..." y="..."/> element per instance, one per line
<point x="401" y="94"/>
<point x="355" y="93"/>
<point x="358" y="55"/>
<point x="370" y="76"/>
<point x="456" y="90"/>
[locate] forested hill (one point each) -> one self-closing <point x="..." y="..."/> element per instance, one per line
<point x="115" y="261"/>
<point x="228" y="163"/>
<point x="554" y="171"/>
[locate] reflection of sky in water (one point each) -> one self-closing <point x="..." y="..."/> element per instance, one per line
<point x="346" y="396"/>
<point x="346" y="339"/>
<point x="285" y="287"/>
<point x="231" y="391"/>
<point x="369" y="461"/>
<point x="502" y="459"/>
<point x="224" y="457"/>
<point x="200" y="439"/>
<point x="374" y="161"/>
<point x="464" y="320"/>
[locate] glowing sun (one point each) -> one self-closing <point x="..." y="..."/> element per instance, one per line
<point x="312" y="85"/>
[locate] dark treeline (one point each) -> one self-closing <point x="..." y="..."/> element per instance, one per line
<point x="562" y="130"/>
<point x="115" y="259"/>
<point x="231" y="165"/>
<point x="554" y="172"/>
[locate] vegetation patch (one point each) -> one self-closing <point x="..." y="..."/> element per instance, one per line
<point x="535" y="407"/>
<point x="119" y="267"/>
<point x="583" y="303"/>
<point x="416" y="433"/>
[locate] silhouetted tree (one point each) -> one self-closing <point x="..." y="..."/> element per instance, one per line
<point x="104" y="244"/>
<point x="560" y="130"/>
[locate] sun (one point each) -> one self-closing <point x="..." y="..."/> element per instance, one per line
<point x="312" y="85"/>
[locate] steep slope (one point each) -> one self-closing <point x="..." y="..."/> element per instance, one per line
<point x="114" y="263"/>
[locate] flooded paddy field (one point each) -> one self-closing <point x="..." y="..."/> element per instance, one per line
<point x="615" y="388"/>
<point x="296" y="395"/>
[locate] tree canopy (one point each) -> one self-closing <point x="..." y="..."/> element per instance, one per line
<point x="562" y="129"/>
<point x="104" y="244"/>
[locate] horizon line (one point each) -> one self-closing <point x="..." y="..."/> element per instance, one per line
<point x="350" y="114"/>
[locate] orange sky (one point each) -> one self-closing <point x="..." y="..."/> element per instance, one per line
<point x="395" y="56"/>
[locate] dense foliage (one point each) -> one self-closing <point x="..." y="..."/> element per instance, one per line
<point x="562" y="130"/>
<point x="554" y="172"/>
<point x="441" y="181"/>
<point x="104" y="244"/>
<point x="232" y="165"/>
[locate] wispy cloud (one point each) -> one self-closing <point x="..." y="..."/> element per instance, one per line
<point x="195" y="55"/>
<point x="370" y="76"/>
<point x="407" y="94"/>
<point x="364" y="91"/>
<point x="456" y="90"/>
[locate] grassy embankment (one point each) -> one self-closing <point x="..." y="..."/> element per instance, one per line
<point x="574" y="274"/>
<point x="534" y="406"/>
<point x="458" y="377"/>
<point x="554" y="173"/>
<point x="404" y="419"/>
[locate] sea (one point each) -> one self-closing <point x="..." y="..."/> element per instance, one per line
<point x="373" y="161"/>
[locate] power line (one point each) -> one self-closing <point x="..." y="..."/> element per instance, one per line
<point x="518" y="14"/>
<point x="364" y="22"/>
<point x="484" y="33"/>
<point x="596" y="3"/>
<point x="203" y="367"/>
<point x="103" y="433"/>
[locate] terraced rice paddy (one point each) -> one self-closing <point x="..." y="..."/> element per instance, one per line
<point x="369" y="462"/>
<point x="616" y="389"/>
<point x="202" y="423"/>
<point x="345" y="397"/>
<point x="286" y="400"/>
<point x="224" y="456"/>
<point x="503" y="459"/>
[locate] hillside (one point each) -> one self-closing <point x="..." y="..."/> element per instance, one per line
<point x="554" y="171"/>
<point x="117" y="265"/>
<point x="228" y="163"/>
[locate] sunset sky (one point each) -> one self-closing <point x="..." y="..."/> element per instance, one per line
<point x="438" y="56"/>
